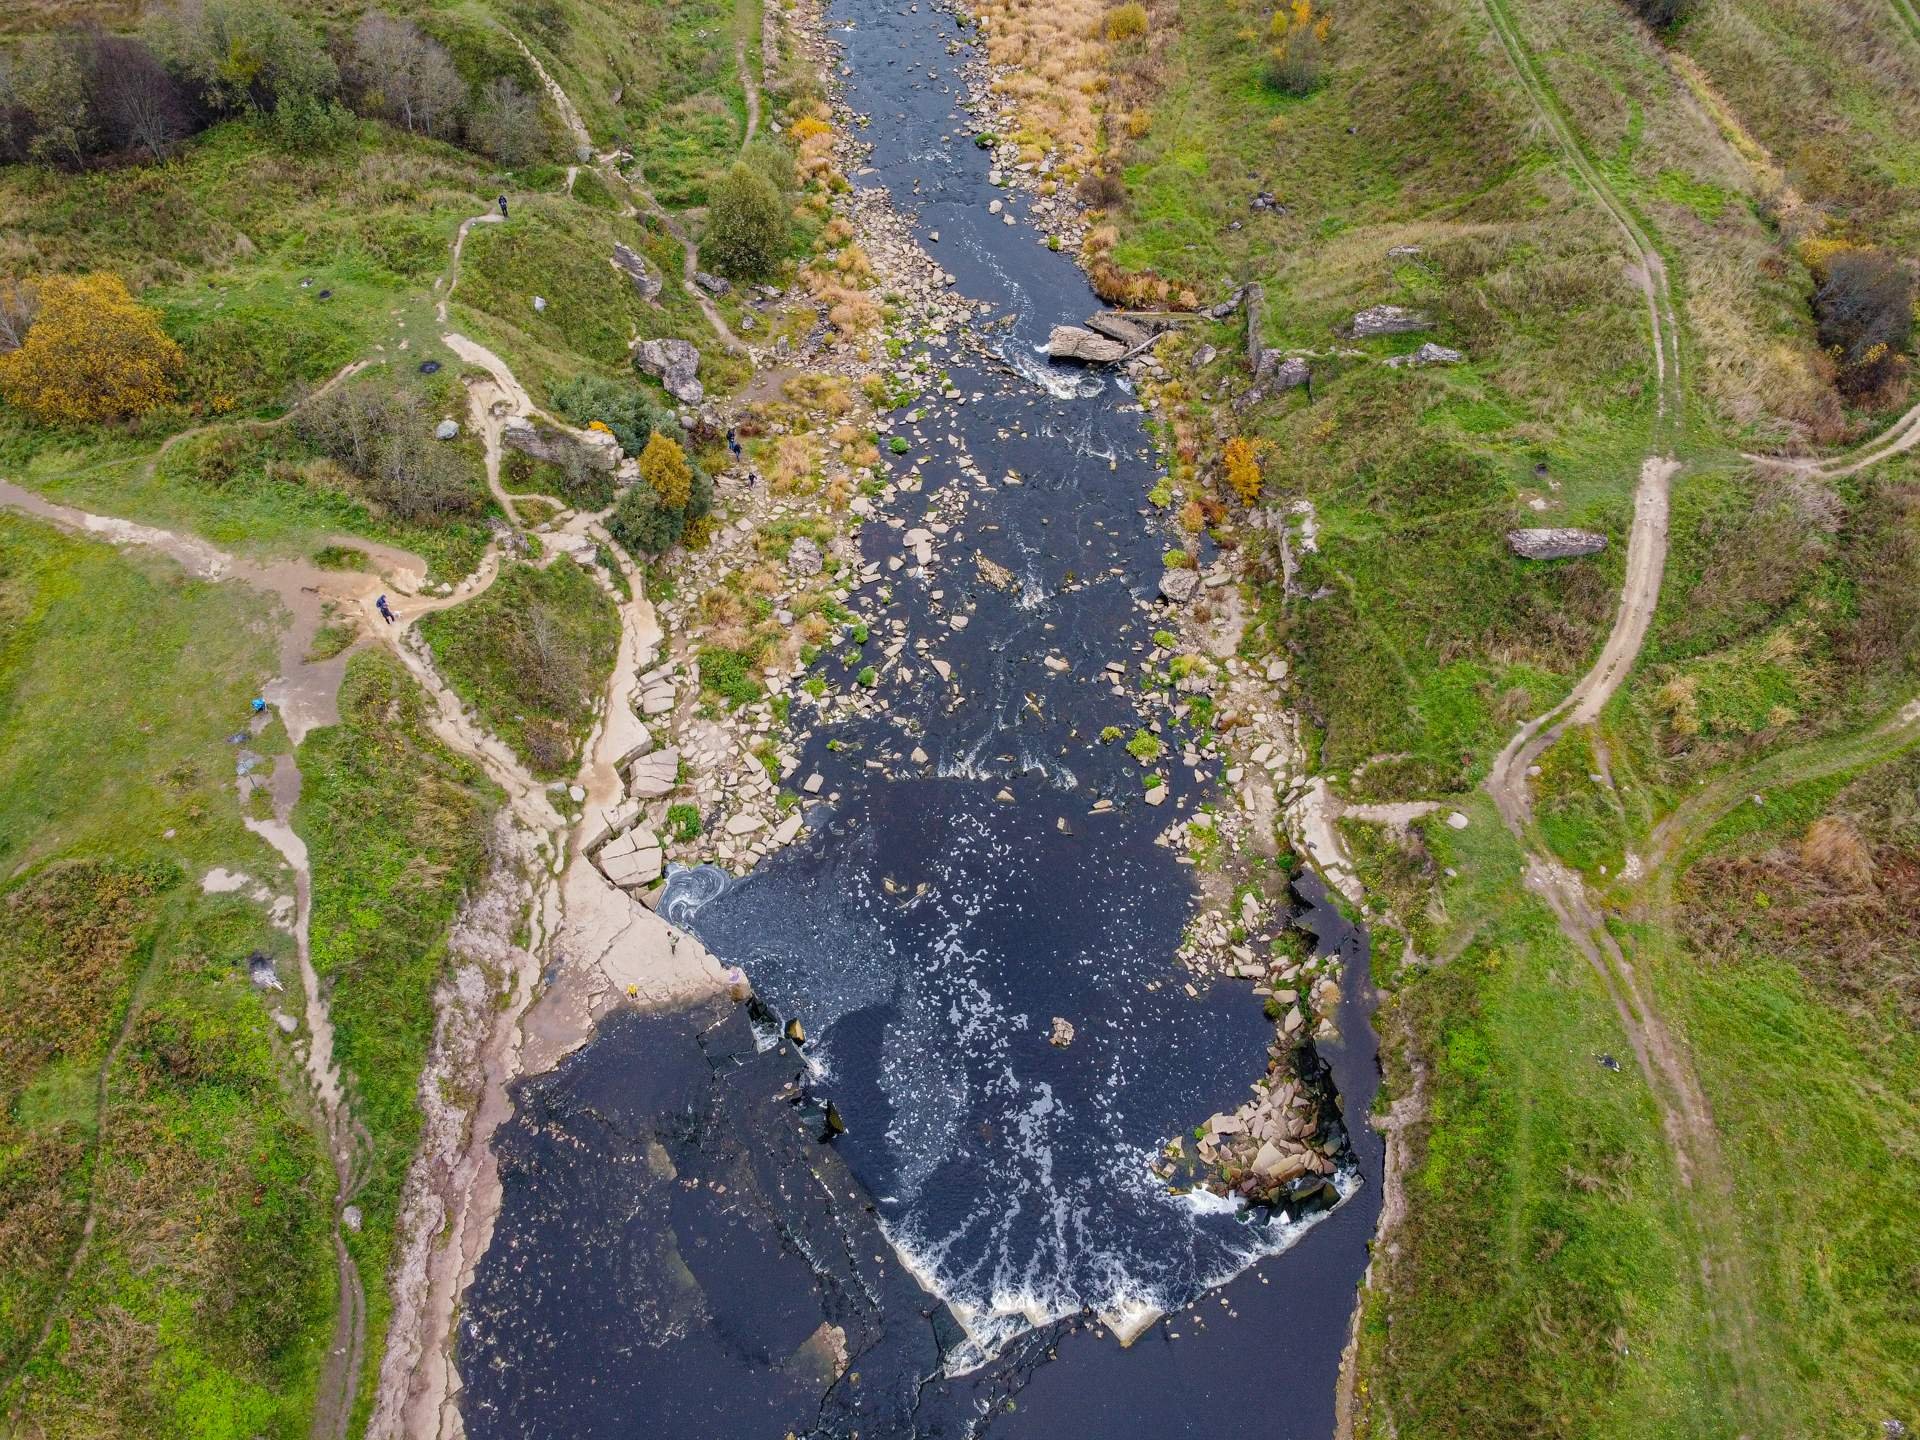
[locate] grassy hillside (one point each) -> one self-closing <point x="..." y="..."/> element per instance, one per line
<point x="141" y="1080"/>
<point x="1547" y="1277"/>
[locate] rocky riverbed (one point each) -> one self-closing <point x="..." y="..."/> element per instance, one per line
<point x="991" y="1098"/>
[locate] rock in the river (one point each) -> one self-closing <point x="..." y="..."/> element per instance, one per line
<point x="1386" y="320"/>
<point x="599" y="449"/>
<point x="1179" y="586"/>
<point x="712" y="284"/>
<point x="1429" y="354"/>
<point x="1551" y="544"/>
<point x="803" y="558"/>
<point x="1115" y="326"/>
<point x="1062" y="1034"/>
<point x="1071" y="342"/>
<point x="447" y="430"/>
<point x="634" y="265"/>
<point x="675" y="364"/>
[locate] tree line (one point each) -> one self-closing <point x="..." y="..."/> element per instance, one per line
<point x="88" y="96"/>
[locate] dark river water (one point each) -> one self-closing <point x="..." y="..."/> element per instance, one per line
<point x="681" y="1249"/>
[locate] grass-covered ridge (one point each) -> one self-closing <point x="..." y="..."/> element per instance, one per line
<point x="532" y="657"/>
<point x="396" y="828"/>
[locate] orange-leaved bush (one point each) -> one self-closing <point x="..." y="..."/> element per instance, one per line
<point x="93" y="354"/>
<point x="1241" y="461"/>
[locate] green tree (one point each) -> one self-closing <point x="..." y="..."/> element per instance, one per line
<point x="747" y="224"/>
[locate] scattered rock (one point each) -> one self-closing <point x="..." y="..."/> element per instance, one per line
<point x="599" y="449"/>
<point x="1429" y="354"/>
<point x="350" y="1217"/>
<point x="1456" y="820"/>
<point x="447" y="430"/>
<point x="1288" y="374"/>
<point x="634" y="265"/>
<point x="654" y="775"/>
<point x="675" y="364"/>
<point x="712" y="284"/>
<point x="1552" y="544"/>
<point x="1403" y="252"/>
<point x="1062" y="1034"/>
<point x="1386" y="320"/>
<point x="803" y="558"/>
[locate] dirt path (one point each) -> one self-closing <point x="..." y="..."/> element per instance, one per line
<point x="1896" y="439"/>
<point x="752" y="89"/>
<point x="1686" y="1117"/>
<point x="1703" y="809"/>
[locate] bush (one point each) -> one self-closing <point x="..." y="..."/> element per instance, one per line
<point x="1662" y="13"/>
<point x="1241" y="462"/>
<point x="384" y="440"/>
<point x="747" y="224"/>
<point x="729" y="674"/>
<point x="683" y="822"/>
<point x="630" y="417"/>
<point x="1128" y="22"/>
<point x="397" y="73"/>
<point x="663" y="465"/>
<point x="1297" y="59"/>
<point x="1865" y="309"/>
<point x="92" y="355"/>
<point x="242" y="57"/>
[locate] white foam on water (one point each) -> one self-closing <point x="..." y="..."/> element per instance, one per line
<point x="1059" y="383"/>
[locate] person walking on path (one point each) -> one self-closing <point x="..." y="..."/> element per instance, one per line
<point x="386" y="610"/>
<point x="503" y="207"/>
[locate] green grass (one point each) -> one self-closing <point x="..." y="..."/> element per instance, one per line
<point x="531" y="656"/>
<point x="204" y="1300"/>
<point x="1543" y="1285"/>
<point x="396" y="828"/>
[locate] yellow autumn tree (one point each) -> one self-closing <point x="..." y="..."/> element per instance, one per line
<point x="663" y="465"/>
<point x="1241" y="461"/>
<point x="93" y="354"/>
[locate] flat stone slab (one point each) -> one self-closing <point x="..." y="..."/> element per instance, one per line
<point x="1555" y="544"/>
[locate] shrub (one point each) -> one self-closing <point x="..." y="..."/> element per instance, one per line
<point x="868" y="677"/>
<point x="729" y="674"/>
<point x="663" y="465"/>
<point x="683" y="822"/>
<point x="1127" y="22"/>
<point x="1297" y="57"/>
<point x="1144" y="747"/>
<point x="1662" y="13"/>
<point x="242" y="56"/>
<point x="746" y="224"/>
<point x="1241" y="462"/>
<point x="1864" y="305"/>
<point x="384" y="440"/>
<point x="629" y="416"/>
<point x="93" y="354"/>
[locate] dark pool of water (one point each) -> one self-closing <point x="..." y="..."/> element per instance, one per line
<point x="679" y="1247"/>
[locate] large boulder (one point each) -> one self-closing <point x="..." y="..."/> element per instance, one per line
<point x="712" y="284"/>
<point x="1115" y="326"/>
<point x="1551" y="544"/>
<point x="1179" y="586"/>
<point x="1288" y="374"/>
<point x="544" y="442"/>
<point x="1386" y="320"/>
<point x="634" y="265"/>
<point x="675" y="364"/>
<point x="1071" y="342"/>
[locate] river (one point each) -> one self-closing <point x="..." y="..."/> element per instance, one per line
<point x="681" y="1246"/>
